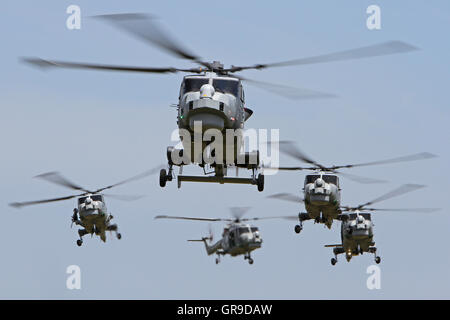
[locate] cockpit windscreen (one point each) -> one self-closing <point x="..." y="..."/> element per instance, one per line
<point x="226" y="86"/>
<point x="194" y="84"/>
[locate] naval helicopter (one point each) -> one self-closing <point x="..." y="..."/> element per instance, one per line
<point x="211" y="97"/>
<point x="322" y="191"/>
<point x="91" y="213"/>
<point x="238" y="237"/>
<point x="357" y="225"/>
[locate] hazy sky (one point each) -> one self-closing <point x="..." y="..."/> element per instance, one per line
<point x="99" y="127"/>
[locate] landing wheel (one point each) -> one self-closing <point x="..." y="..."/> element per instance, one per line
<point x="333" y="261"/>
<point x="119" y="236"/>
<point x="260" y="182"/>
<point x="162" y="178"/>
<point x="250" y="261"/>
<point x="377" y="260"/>
<point x="217" y="260"/>
<point x="79" y="242"/>
<point x="298" y="228"/>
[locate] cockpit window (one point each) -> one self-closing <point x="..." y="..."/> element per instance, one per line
<point x="193" y="84"/>
<point x="81" y="200"/>
<point x="311" y="178"/>
<point x="330" y="179"/>
<point x="96" y="198"/>
<point x="254" y="229"/>
<point x="242" y="230"/>
<point x="226" y="86"/>
<point x="366" y="216"/>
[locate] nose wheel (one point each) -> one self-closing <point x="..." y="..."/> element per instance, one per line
<point x="79" y="242"/>
<point x="377" y="259"/>
<point x="333" y="261"/>
<point x="298" y="228"/>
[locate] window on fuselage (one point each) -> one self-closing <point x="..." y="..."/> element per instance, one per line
<point x="330" y="179"/>
<point x="193" y="84"/>
<point x="311" y="178"/>
<point x="226" y="86"/>
<point x="242" y="230"/>
<point x="254" y="229"/>
<point x="81" y="200"/>
<point x="96" y="198"/>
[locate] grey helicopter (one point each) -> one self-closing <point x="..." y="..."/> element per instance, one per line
<point x="211" y="96"/>
<point x="322" y="190"/>
<point x="357" y="225"/>
<point x="238" y="237"/>
<point x="91" y="213"/>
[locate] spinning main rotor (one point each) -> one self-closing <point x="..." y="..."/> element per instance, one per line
<point x="57" y="178"/>
<point x="145" y="28"/>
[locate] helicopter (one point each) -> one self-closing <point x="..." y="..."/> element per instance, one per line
<point x="238" y="237"/>
<point x="357" y="225"/>
<point x="91" y="213"/>
<point x="211" y="97"/>
<point x="322" y="190"/>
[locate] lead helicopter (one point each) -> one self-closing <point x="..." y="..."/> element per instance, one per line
<point x="322" y="190"/>
<point x="91" y="213"/>
<point x="357" y="225"/>
<point x="238" y="237"/>
<point x="211" y="96"/>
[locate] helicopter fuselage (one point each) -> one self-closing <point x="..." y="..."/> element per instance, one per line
<point x="322" y="197"/>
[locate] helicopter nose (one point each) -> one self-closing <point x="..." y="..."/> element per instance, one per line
<point x="207" y="91"/>
<point x="319" y="182"/>
<point x="202" y="121"/>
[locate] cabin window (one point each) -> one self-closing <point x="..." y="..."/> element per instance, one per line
<point x="226" y="86"/>
<point x="193" y="84"/>
<point x="330" y="179"/>
<point x="81" y="200"/>
<point x="311" y="178"/>
<point x="242" y="230"/>
<point x="96" y="198"/>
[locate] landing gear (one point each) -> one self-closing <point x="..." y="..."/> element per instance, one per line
<point x="119" y="236"/>
<point x="333" y="261"/>
<point x="217" y="260"/>
<point x="81" y="233"/>
<point x="247" y="257"/>
<point x="260" y="182"/>
<point x="377" y="259"/>
<point x="298" y="228"/>
<point x="162" y="178"/>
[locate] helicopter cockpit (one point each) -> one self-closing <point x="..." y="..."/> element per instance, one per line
<point x="96" y="197"/>
<point x="224" y="86"/>
<point x="354" y="216"/>
<point x="327" y="178"/>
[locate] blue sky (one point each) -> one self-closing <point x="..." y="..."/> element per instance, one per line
<point x="100" y="127"/>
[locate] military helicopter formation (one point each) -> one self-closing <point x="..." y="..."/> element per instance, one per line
<point x="211" y="97"/>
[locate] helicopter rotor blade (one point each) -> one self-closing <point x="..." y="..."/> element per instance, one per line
<point x="412" y="157"/>
<point x="289" y="148"/>
<point x="124" y="197"/>
<point x="57" y="178"/>
<point x="286" y="197"/>
<point x="47" y="64"/>
<point x="29" y="203"/>
<point x="286" y="91"/>
<point x="191" y="218"/>
<point x="391" y="194"/>
<point x="360" y="179"/>
<point x="273" y="217"/>
<point x="134" y="178"/>
<point x="144" y="27"/>
<point x="424" y="210"/>
<point x="385" y="48"/>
